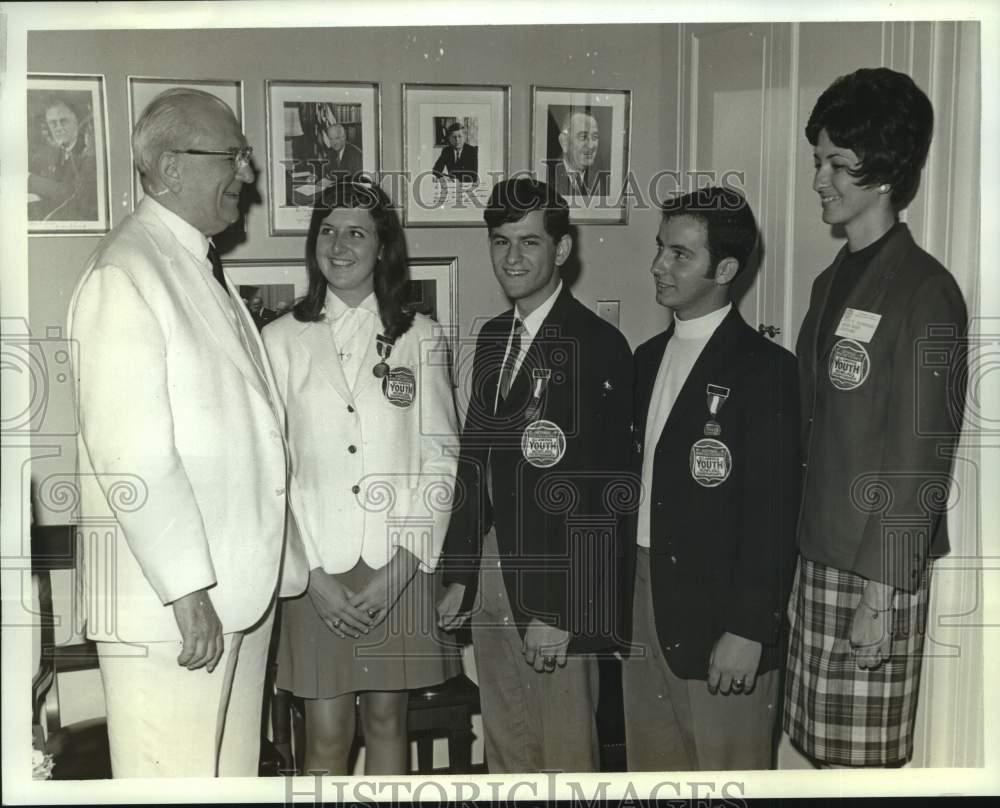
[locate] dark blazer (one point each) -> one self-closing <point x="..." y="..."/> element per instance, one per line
<point x="465" y="169"/>
<point x="721" y="558"/>
<point x="562" y="530"/>
<point x="877" y="457"/>
<point x="348" y="165"/>
<point x="595" y="181"/>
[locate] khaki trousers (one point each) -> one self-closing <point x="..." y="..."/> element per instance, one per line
<point x="531" y="721"/>
<point x="674" y="724"/>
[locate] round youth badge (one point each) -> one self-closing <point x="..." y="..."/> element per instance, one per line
<point x="849" y="365"/>
<point x="711" y="462"/>
<point x="400" y="386"/>
<point x="543" y="444"/>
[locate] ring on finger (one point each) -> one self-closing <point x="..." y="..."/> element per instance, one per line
<point x="738" y="684"/>
<point x="336" y="623"/>
<point x="549" y="661"/>
<point x="372" y="612"/>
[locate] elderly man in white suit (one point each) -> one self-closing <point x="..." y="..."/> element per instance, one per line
<point x="177" y="408"/>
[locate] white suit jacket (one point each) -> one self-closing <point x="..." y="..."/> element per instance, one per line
<point x="367" y="475"/>
<point x="181" y="447"/>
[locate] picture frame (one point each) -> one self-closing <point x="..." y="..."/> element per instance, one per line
<point x="68" y="155"/>
<point x="580" y="142"/>
<point x="143" y="89"/>
<point x="304" y="121"/>
<point x="434" y="292"/>
<point x="446" y="183"/>
<point x="279" y="283"/>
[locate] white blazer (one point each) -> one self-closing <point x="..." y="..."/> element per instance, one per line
<point x="181" y="449"/>
<point x="367" y="475"/>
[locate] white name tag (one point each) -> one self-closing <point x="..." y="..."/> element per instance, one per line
<point x="858" y="325"/>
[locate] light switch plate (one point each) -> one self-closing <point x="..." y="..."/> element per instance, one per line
<point x="609" y="310"/>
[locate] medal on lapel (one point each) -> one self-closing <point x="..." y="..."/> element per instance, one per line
<point x="710" y="459"/>
<point x="539" y="382"/>
<point x="399" y="385"/>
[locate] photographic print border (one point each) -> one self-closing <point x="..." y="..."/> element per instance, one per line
<point x="419" y="102"/>
<point x="232" y="94"/>
<point x="294" y="221"/>
<point x="612" y="208"/>
<point x="77" y="82"/>
<point x="444" y="272"/>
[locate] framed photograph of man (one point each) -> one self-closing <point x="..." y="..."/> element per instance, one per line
<point x="143" y="89"/>
<point x="580" y="144"/>
<point x="433" y="291"/>
<point x="67" y="155"/>
<point x="317" y="133"/>
<point x="455" y="149"/>
<point x="269" y="287"/>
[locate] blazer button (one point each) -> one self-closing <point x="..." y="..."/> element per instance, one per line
<point x="350" y="408"/>
<point x="355" y="489"/>
<point x="352" y="448"/>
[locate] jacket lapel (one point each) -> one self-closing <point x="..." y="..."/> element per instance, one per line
<point x="318" y="341"/>
<point x="691" y="401"/>
<point x="193" y="283"/>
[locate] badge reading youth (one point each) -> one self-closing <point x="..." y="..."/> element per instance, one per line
<point x="400" y="386"/>
<point x="849" y="365"/>
<point x="711" y="462"/>
<point x="543" y="444"/>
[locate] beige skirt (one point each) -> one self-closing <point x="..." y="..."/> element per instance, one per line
<point x="405" y="651"/>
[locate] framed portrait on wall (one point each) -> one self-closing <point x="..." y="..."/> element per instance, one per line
<point x="269" y="287"/>
<point x="143" y="89"/>
<point x="455" y="149"/>
<point x="317" y="132"/>
<point x="67" y="155"/>
<point x="433" y="291"/>
<point x="580" y="144"/>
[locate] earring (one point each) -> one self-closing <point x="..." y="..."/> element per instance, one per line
<point x="884" y="188"/>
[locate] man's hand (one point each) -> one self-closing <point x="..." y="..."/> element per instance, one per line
<point x="332" y="601"/>
<point x="732" y="665"/>
<point x="383" y="589"/>
<point x="449" y="607"/>
<point x="200" y="629"/>
<point x="545" y="646"/>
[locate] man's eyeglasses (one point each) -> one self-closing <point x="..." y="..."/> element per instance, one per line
<point x="240" y="157"/>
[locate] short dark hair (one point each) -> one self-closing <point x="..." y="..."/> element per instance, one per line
<point x="885" y="119"/>
<point x="513" y="199"/>
<point x="730" y="227"/>
<point x="392" y="271"/>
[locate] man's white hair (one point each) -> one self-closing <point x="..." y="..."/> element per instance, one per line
<point x="166" y="123"/>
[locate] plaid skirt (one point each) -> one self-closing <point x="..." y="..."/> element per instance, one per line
<point x="834" y="711"/>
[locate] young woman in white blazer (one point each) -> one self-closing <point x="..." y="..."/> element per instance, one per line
<point x="371" y="429"/>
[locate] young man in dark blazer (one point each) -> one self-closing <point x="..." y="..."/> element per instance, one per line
<point x="538" y="530"/>
<point x="717" y="428"/>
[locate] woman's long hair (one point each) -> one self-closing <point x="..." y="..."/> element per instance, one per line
<point x="392" y="273"/>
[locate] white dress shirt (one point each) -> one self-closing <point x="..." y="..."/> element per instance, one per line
<point x="353" y="328"/>
<point x="683" y="349"/>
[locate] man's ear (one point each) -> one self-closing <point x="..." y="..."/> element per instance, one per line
<point x="563" y="141"/>
<point x="563" y="248"/>
<point x="168" y="170"/>
<point x="726" y="271"/>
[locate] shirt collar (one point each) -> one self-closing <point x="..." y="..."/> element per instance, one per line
<point x="534" y="320"/>
<point x="336" y="308"/>
<point x="701" y="327"/>
<point x="190" y="237"/>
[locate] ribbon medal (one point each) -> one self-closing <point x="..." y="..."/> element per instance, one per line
<point x="710" y="459"/>
<point x="543" y="444"/>
<point x="539" y="381"/>
<point x="400" y="386"/>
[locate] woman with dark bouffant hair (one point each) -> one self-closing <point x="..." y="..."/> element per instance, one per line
<point x="369" y="414"/>
<point x="880" y="422"/>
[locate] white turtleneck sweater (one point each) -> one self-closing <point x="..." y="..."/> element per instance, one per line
<point x="683" y="349"/>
